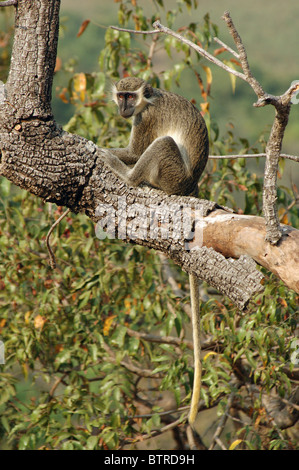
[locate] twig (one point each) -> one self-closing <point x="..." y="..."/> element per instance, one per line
<point x="156" y="432"/>
<point x="181" y="409"/>
<point x="8" y="3"/>
<point x="191" y="438"/>
<point x="131" y="367"/>
<point x="51" y="254"/>
<point x="287" y="402"/>
<point x="290" y="206"/>
<point x="220" y="443"/>
<point x="243" y="56"/>
<point x="152" y="50"/>
<point x="222" y="422"/>
<point x="169" y="276"/>
<point x="207" y="343"/>
<point x="55" y="385"/>
<point x="135" y="31"/>
<point x="160" y="339"/>
<point x="253" y="155"/>
<point x="229" y="49"/>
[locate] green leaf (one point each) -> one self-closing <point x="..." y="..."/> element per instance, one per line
<point x="93" y="349"/>
<point x="24" y="442"/>
<point x="62" y="357"/>
<point x="92" y="442"/>
<point x="133" y="345"/>
<point x="118" y="336"/>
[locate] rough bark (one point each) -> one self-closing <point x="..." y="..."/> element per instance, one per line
<point x="273" y="149"/>
<point x="68" y="170"/>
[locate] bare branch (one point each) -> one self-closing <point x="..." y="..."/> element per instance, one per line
<point x="229" y="49"/>
<point x="160" y="339"/>
<point x="8" y="3"/>
<point x="242" y="55"/>
<point x="135" y="31"/>
<point x="200" y="50"/>
<point x="152" y="49"/>
<point x="128" y="364"/>
<point x="252" y="155"/>
<point x="222" y="422"/>
<point x="157" y="432"/>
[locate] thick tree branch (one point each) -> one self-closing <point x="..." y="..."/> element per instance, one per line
<point x="234" y="235"/>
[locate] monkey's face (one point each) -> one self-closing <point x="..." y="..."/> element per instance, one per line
<point x="126" y="103"/>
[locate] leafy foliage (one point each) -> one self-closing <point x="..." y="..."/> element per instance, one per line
<point x="94" y="348"/>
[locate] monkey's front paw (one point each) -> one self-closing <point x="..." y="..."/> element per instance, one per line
<point x="108" y="158"/>
<point x="112" y="161"/>
<point x="105" y="154"/>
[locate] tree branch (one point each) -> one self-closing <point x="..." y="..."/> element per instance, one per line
<point x="163" y="29"/>
<point x="253" y="155"/>
<point x="243" y="56"/>
<point x="229" y="49"/>
<point x="273" y="148"/>
<point x="8" y="3"/>
<point x="128" y="364"/>
<point x="234" y="235"/>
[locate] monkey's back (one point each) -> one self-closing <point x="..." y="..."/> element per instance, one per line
<point x="179" y="119"/>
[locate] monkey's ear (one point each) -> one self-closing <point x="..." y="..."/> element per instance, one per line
<point x="148" y="91"/>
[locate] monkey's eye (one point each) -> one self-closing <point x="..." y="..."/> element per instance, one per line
<point x="121" y="96"/>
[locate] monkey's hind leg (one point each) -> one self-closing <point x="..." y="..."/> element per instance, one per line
<point x="195" y="315"/>
<point x="161" y="166"/>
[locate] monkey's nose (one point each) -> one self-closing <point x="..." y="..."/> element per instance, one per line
<point x="127" y="112"/>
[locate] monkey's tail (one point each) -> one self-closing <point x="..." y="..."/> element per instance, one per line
<point x="195" y="313"/>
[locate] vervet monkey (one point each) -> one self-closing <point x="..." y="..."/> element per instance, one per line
<point x="168" y="150"/>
